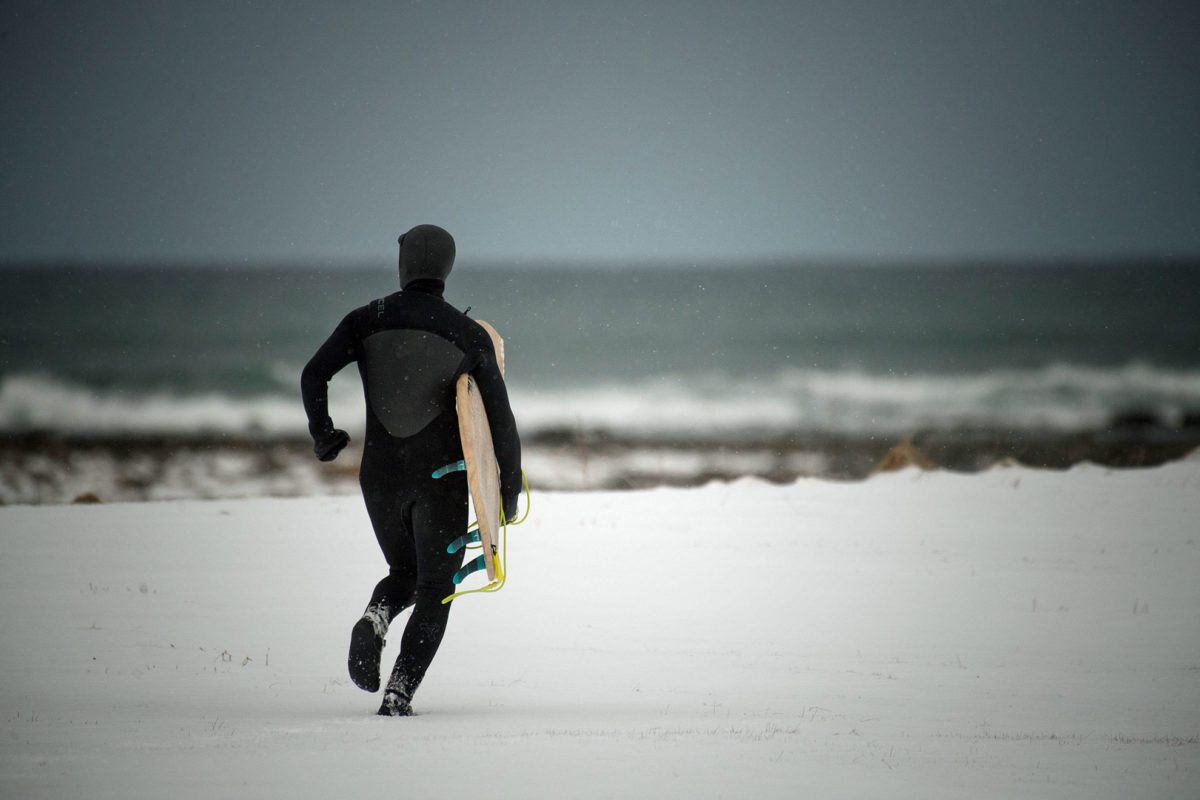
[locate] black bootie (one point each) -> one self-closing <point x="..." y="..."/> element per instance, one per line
<point x="366" y="648"/>
<point x="397" y="698"/>
<point x="395" y="705"/>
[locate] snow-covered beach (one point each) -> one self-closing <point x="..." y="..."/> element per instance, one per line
<point x="920" y="634"/>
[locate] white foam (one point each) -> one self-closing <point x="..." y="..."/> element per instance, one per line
<point x="1059" y="397"/>
<point x="32" y="402"/>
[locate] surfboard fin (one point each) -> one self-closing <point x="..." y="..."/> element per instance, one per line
<point x="474" y="565"/>
<point x="463" y="541"/>
<point x="457" y="466"/>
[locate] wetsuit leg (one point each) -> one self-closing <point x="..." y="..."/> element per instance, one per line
<point x="391" y="517"/>
<point x="438" y="517"/>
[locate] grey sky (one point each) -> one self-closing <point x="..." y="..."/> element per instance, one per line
<point x="599" y="131"/>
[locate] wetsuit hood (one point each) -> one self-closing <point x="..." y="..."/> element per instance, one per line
<point x="426" y="251"/>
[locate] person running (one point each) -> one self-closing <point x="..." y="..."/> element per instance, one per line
<point x="410" y="347"/>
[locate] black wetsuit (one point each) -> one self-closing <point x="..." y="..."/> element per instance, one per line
<point x="409" y="347"/>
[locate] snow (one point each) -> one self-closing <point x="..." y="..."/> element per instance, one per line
<point x="1009" y="633"/>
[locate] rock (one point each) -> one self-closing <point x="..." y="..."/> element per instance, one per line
<point x="904" y="454"/>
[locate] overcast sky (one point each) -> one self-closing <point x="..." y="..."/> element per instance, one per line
<point x="569" y="132"/>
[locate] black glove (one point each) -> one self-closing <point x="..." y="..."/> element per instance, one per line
<point x="328" y="445"/>
<point x="510" y="507"/>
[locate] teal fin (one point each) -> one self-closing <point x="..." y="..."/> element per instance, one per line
<point x="463" y="541"/>
<point x="457" y="466"/>
<point x="474" y="565"/>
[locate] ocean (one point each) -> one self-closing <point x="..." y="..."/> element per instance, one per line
<point x="699" y="351"/>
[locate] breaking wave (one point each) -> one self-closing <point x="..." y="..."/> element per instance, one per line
<point x="1059" y="397"/>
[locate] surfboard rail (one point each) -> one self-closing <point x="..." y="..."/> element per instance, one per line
<point x="479" y="454"/>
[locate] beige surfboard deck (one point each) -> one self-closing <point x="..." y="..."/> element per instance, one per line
<point x="483" y="472"/>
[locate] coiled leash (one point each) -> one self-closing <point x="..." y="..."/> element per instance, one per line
<point x="471" y="541"/>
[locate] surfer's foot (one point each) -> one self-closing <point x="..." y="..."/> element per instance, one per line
<point x="366" y="647"/>
<point x="395" y="705"/>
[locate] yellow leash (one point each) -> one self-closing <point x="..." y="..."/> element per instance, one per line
<point x="501" y="561"/>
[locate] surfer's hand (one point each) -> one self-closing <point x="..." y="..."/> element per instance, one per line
<point x="328" y="445"/>
<point x="510" y="507"/>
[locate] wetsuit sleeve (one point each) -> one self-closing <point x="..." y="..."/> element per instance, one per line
<point x="501" y="421"/>
<point x="339" y="350"/>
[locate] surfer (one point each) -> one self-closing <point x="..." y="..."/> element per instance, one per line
<point x="410" y="346"/>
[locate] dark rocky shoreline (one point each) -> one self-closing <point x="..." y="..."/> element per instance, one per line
<point x="42" y="468"/>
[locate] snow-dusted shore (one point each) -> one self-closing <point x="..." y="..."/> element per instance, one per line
<point x="1010" y="633"/>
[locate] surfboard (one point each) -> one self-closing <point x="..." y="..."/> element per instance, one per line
<point x="483" y="471"/>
